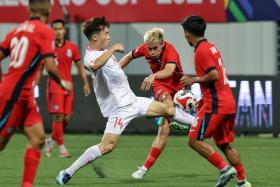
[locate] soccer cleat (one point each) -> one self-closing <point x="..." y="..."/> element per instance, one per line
<point x="140" y="173"/>
<point x="243" y="184"/>
<point x="64" y="154"/>
<point x="62" y="178"/>
<point x="225" y="176"/>
<point x="174" y="126"/>
<point x="48" y="148"/>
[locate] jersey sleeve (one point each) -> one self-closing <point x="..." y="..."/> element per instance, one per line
<point x="77" y="55"/>
<point x="5" y="45"/>
<point x="204" y="60"/>
<point x="139" y="51"/>
<point x="89" y="58"/>
<point x="47" y="43"/>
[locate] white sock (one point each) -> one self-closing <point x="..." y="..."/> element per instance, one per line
<point x="183" y="117"/>
<point x="88" y="156"/>
<point x="61" y="148"/>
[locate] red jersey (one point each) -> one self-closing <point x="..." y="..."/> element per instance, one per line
<point x="65" y="56"/>
<point x="169" y="55"/>
<point x="217" y="96"/>
<point x="27" y="45"/>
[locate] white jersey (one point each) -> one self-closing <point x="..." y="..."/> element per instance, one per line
<point x="110" y="84"/>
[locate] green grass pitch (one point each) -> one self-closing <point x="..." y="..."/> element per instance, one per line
<point x="177" y="166"/>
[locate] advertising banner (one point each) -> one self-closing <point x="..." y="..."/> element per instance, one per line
<point x="121" y="10"/>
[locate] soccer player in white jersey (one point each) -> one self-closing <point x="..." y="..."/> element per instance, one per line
<point x="114" y="96"/>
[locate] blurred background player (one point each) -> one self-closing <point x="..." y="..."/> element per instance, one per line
<point x="216" y="115"/>
<point x="28" y="45"/>
<point x="115" y="98"/>
<point x="166" y="67"/>
<point x="60" y="102"/>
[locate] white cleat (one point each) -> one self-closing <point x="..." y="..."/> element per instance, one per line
<point x="140" y="173"/>
<point x="243" y="184"/>
<point x="62" y="178"/>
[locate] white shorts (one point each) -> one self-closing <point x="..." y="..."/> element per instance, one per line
<point x="120" y="118"/>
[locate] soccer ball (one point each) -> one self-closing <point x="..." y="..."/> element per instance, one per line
<point x="185" y="100"/>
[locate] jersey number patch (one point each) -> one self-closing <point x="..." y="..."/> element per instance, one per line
<point x="18" y="51"/>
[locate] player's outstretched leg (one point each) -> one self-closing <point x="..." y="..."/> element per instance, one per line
<point x="108" y="143"/>
<point x="87" y="157"/>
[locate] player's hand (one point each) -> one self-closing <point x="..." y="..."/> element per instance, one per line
<point x="147" y="83"/>
<point x="66" y="85"/>
<point x="118" y="48"/>
<point x="187" y="80"/>
<point x="86" y="89"/>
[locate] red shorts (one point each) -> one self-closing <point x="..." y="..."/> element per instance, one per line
<point x="161" y="88"/>
<point x="60" y="103"/>
<point x="24" y="112"/>
<point x="220" y="126"/>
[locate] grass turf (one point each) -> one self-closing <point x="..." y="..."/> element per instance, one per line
<point x="177" y="166"/>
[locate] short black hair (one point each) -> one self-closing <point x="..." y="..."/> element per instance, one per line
<point x="57" y="21"/>
<point x="94" y="25"/>
<point x="39" y="6"/>
<point x="196" y="25"/>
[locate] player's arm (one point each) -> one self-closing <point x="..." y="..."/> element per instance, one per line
<point x="82" y="74"/>
<point x="211" y="76"/>
<point x="125" y="60"/>
<point x="54" y="74"/>
<point x="162" y="74"/>
<point x="102" y="60"/>
<point x="38" y="74"/>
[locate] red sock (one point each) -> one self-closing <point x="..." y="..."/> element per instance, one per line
<point x="152" y="157"/>
<point x="53" y="135"/>
<point x="31" y="162"/>
<point x="240" y="172"/>
<point x="216" y="160"/>
<point x="58" y="131"/>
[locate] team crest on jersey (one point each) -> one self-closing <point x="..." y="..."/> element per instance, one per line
<point x="56" y="107"/>
<point x="69" y="53"/>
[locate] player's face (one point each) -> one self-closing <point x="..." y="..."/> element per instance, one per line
<point x="188" y="38"/>
<point x="155" y="49"/>
<point x="103" y="38"/>
<point x="59" y="31"/>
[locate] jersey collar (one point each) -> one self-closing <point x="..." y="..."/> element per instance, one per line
<point x="199" y="42"/>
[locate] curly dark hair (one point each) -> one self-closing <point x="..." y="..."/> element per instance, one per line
<point x="94" y="25"/>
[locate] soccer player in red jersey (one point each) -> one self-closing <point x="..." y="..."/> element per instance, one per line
<point x="216" y="116"/>
<point x="28" y="45"/>
<point x="60" y="102"/>
<point x="166" y="67"/>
